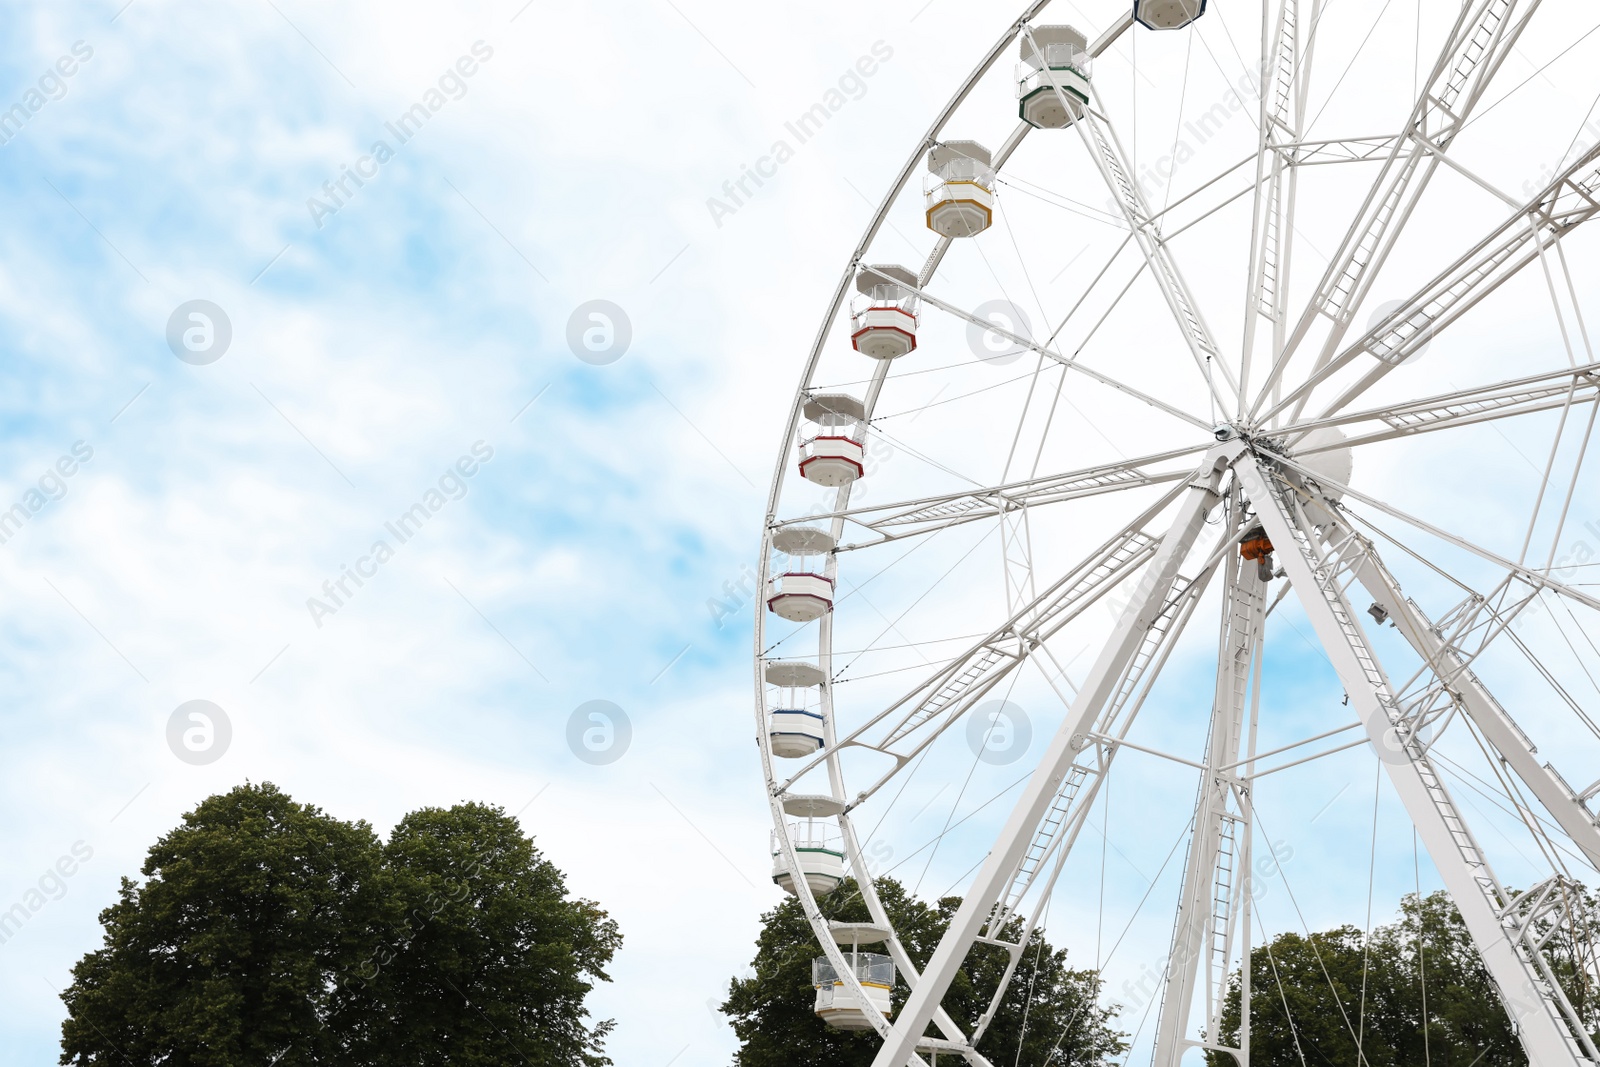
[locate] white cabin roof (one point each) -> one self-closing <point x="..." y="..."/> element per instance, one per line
<point x="793" y="674"/>
<point x="951" y="150"/>
<point x="812" y="806"/>
<point x="884" y="273"/>
<point x="803" y="540"/>
<point x="849" y="934"/>
<point x="1049" y="35"/>
<point x="842" y="404"/>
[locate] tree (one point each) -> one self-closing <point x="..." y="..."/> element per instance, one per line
<point x="1317" y="981"/>
<point x="1428" y="953"/>
<point x="231" y="950"/>
<point x="772" y="1011"/>
<point x="1339" y="986"/>
<point x="267" y="932"/>
<point x="490" y="961"/>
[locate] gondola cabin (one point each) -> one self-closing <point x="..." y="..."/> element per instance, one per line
<point x="834" y="452"/>
<point x="818" y="845"/>
<point x="802" y="590"/>
<point x="1056" y="58"/>
<point x="959" y="189"/>
<point x="883" y="316"/>
<point x="795" y="723"/>
<point x="837" y="1003"/>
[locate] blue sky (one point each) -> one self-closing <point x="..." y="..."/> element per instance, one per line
<point x="368" y="354"/>
<point x="374" y="346"/>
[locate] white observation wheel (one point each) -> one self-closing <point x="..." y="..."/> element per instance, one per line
<point x="1104" y="400"/>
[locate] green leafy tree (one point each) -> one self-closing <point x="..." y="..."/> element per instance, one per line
<point x="1314" y="999"/>
<point x="267" y="932"/>
<point x="491" y="960"/>
<point x="231" y="950"/>
<point x="1306" y="1001"/>
<point x="1428" y="952"/>
<point x="1050" y="1011"/>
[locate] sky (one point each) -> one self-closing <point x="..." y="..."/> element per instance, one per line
<point x="273" y="274"/>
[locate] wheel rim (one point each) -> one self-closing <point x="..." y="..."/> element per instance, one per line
<point x="1258" y="409"/>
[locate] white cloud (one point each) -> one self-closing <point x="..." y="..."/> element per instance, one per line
<point x="425" y="313"/>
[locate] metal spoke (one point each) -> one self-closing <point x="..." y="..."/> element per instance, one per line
<point x="1562" y="206"/>
<point x="1070" y="362"/>
<point x="1283" y="108"/>
<point x="932" y="705"/>
<point x="1149" y="598"/>
<point x="1053" y="839"/>
<point x="1100" y="138"/>
<point x="1465" y="407"/>
<point x="932" y="513"/>
<point x="1484" y="35"/>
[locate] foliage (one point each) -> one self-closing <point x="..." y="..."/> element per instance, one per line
<point x="772" y="1011"/>
<point x="1339" y="987"/>
<point x="267" y="932"/>
<point x="488" y="946"/>
<point x="231" y="950"/>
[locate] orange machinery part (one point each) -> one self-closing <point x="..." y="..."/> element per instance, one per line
<point x="1255" y="548"/>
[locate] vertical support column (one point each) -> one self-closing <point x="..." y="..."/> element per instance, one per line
<point x="1484" y="34"/>
<point x="1145" y="607"/>
<point x="1016" y="549"/>
<point x="1016" y="541"/>
<point x="1245" y="901"/>
<point x="1546" y="1024"/>
<point x="1285" y="70"/>
<point x="1205" y="923"/>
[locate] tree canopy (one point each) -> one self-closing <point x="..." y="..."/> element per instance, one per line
<point x="490" y="947"/>
<point x="1414" y="991"/>
<point x="268" y="932"/>
<point x="1050" y="1011"/>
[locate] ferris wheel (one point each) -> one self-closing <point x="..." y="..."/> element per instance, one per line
<point x="1029" y="463"/>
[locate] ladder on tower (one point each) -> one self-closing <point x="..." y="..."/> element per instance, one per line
<point x="1540" y="981"/>
<point x="1089" y="764"/>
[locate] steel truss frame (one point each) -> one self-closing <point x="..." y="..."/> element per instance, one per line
<point x="1484" y="35"/>
<point x="1005" y="901"/>
<point x="1549" y="1028"/>
<point x="954" y="1040"/>
<point x="1212" y="926"/>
